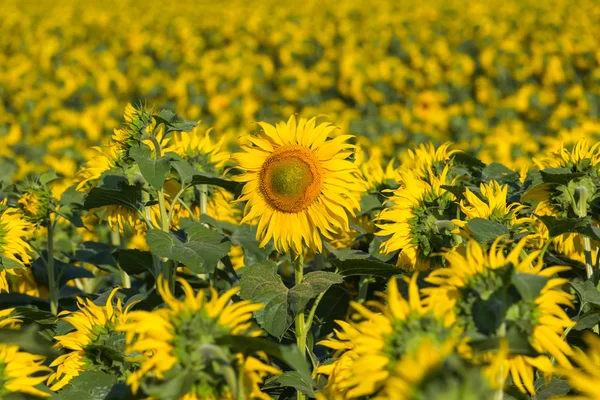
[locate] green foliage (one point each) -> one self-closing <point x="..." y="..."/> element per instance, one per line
<point x="200" y="252"/>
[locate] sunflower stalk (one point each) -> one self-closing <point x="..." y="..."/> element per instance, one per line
<point x="52" y="284"/>
<point x="581" y="211"/>
<point x="115" y="238"/>
<point x="167" y="265"/>
<point x="499" y="395"/>
<point x="299" y="322"/>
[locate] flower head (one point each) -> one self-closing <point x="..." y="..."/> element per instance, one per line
<point x="95" y="328"/>
<point x="299" y="186"/>
<point x="181" y="339"/>
<point x="419" y="221"/>
<point x="369" y="350"/>
<point x="476" y="280"/>
<point x="21" y="372"/>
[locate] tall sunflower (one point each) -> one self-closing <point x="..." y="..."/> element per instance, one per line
<point x="180" y="339"/>
<point x="419" y="221"/>
<point x="476" y="278"/>
<point x="368" y="350"/>
<point x="95" y="327"/>
<point x="14" y="230"/>
<point x="299" y="185"/>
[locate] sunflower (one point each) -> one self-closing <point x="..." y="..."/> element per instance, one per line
<point x="476" y="278"/>
<point x="426" y="158"/>
<point x="558" y="200"/>
<point x="94" y="328"/>
<point x="298" y="185"/>
<point x="586" y="377"/>
<point x="138" y="121"/>
<point x="419" y="222"/>
<point x="368" y="350"/>
<point x="14" y="229"/>
<point x="199" y="150"/>
<point x="181" y="339"/>
<point x="491" y="205"/>
<point x="104" y="159"/>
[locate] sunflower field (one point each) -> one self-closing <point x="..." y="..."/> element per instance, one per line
<point x="391" y="200"/>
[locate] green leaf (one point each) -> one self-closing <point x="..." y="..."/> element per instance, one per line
<point x="9" y="263"/>
<point x="155" y="172"/>
<point x="484" y="230"/>
<point x="191" y="176"/>
<point x="174" y="122"/>
<point x="89" y="385"/>
<point x="587" y="292"/>
<point x="353" y="267"/>
<point x="296" y="380"/>
<point x="529" y="286"/>
<point x="245" y="235"/>
<point x="289" y="354"/>
<point x="557" y="227"/>
<point x="587" y="320"/>
<point x="135" y="261"/>
<point x="498" y="172"/>
<point x="48" y="177"/>
<point x="549" y="390"/>
<point x="28" y="339"/>
<point x="561" y="176"/>
<point x="261" y="284"/>
<point x="115" y="191"/>
<point x="517" y="343"/>
<point x="369" y="203"/>
<point x="200" y="253"/>
<point x="457" y="191"/>
<point x="313" y="284"/>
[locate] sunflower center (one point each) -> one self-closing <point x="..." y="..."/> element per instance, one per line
<point x="291" y="179"/>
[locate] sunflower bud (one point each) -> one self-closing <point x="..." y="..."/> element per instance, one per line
<point x="138" y="122"/>
<point x="36" y="203"/>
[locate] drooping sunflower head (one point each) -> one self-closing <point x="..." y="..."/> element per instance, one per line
<point x="21" y="372"/>
<point x="491" y="203"/>
<point x="14" y="230"/>
<point x="299" y="185"/>
<point x="138" y="122"/>
<point x="419" y="220"/>
<point x="368" y="350"/>
<point x="181" y="339"/>
<point x="94" y="341"/>
<point x="477" y="282"/>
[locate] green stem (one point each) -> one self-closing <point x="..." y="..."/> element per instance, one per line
<point x="300" y="324"/>
<point x="499" y="395"/>
<point x="581" y="210"/>
<point x="115" y="238"/>
<point x="52" y="287"/>
<point x="313" y="310"/>
<point x="175" y="200"/>
<point x="363" y="288"/>
<point x="203" y="198"/>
